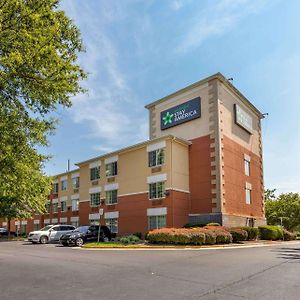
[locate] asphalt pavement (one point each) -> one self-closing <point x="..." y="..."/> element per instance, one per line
<point x="52" y="272"/>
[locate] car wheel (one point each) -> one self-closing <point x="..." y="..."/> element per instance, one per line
<point x="105" y="239"/>
<point x="79" y="242"/>
<point x="44" y="239"/>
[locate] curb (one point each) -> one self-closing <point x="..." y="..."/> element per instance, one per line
<point x="221" y="247"/>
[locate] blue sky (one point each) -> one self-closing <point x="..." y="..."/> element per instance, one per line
<point x="139" y="51"/>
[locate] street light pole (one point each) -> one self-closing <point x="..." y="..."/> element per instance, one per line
<point x="100" y="214"/>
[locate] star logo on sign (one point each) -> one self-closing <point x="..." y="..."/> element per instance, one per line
<point x="168" y="118"/>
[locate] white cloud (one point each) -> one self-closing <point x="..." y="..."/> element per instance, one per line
<point x="110" y="110"/>
<point x="214" y="21"/>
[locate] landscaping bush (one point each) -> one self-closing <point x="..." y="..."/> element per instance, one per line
<point x="179" y="236"/>
<point x="238" y="234"/>
<point x="289" y="236"/>
<point x="223" y="236"/>
<point x="252" y="232"/>
<point x="210" y="237"/>
<point x="269" y="232"/>
<point x="192" y="225"/>
<point x="130" y="239"/>
<point x="138" y="234"/>
<point x="213" y="224"/>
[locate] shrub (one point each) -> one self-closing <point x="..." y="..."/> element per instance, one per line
<point x="289" y="236"/>
<point x="252" y="232"/>
<point x="138" y="234"/>
<point x="269" y="232"/>
<point x="130" y="239"/>
<point x="238" y="234"/>
<point x="213" y="224"/>
<point x="223" y="236"/>
<point x="192" y="225"/>
<point x="210" y="237"/>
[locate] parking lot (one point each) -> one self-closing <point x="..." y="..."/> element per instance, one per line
<point x="53" y="272"/>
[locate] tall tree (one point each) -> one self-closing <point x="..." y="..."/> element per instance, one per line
<point x="285" y="208"/>
<point x="39" y="47"/>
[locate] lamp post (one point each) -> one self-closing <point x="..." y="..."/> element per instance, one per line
<point x="100" y="214"/>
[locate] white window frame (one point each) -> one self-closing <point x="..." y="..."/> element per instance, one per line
<point x="76" y="182"/>
<point x="112" y="224"/>
<point x="109" y="200"/>
<point x="247" y="167"/>
<point x="55" y="207"/>
<point x="156" y="157"/>
<point x="157" y="219"/>
<point x="159" y="193"/>
<point x="111" y="169"/>
<point x="64" y="184"/>
<point x="248" y="195"/>
<point x="92" y="200"/>
<point x="77" y="204"/>
<point x="63" y="206"/>
<point x="96" y="174"/>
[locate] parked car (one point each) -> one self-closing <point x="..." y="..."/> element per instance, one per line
<point x="50" y="233"/>
<point x="3" y="232"/>
<point x="84" y="234"/>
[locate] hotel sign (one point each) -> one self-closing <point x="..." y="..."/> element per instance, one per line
<point x="179" y="114"/>
<point x="243" y="119"/>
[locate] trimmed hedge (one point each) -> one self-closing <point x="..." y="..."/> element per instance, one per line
<point x="192" y="225"/>
<point x="253" y="232"/>
<point x="190" y="236"/>
<point x="238" y="234"/>
<point x="180" y="236"/>
<point x="269" y="232"/>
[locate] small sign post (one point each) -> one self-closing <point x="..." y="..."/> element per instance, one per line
<point x="100" y="214"/>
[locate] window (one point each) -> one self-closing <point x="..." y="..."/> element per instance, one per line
<point x="48" y="207"/>
<point x="95" y="199"/>
<point x="23" y="229"/>
<point x="55" y="188"/>
<point x="112" y="197"/>
<point x="156" y="222"/>
<point x="63" y="205"/>
<point x="55" y="207"/>
<point x="36" y="226"/>
<point x="75" y="182"/>
<point x="75" y="204"/>
<point x="95" y="173"/>
<point x="112" y="169"/>
<point x="94" y="222"/>
<point x="64" y="185"/>
<point x="247" y="167"/>
<point x="248" y="196"/>
<point x="157" y="190"/>
<point x="112" y="224"/>
<point x="156" y="157"/>
<point x="75" y="223"/>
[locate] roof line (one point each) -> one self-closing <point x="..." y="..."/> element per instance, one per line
<point x="218" y="76"/>
<point x="128" y="148"/>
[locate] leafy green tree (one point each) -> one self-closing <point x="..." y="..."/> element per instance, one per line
<point x="285" y="207"/>
<point x="39" y="47"/>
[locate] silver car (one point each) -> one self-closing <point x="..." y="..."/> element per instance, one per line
<point x="50" y="233"/>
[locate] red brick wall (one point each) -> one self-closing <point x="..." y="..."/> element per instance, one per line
<point x="133" y="211"/>
<point x="200" y="175"/>
<point x="235" y="180"/>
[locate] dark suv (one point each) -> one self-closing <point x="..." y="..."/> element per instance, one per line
<point x="84" y="234"/>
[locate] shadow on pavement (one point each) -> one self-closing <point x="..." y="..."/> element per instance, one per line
<point x="288" y="253"/>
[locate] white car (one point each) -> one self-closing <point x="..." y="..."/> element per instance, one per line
<point x="50" y="233"/>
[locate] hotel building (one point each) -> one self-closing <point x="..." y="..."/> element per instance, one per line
<point x="202" y="163"/>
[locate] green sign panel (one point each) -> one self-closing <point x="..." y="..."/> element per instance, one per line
<point x="179" y="114"/>
<point x="243" y="119"/>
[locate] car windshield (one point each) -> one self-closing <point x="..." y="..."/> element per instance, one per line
<point x="82" y="229"/>
<point x="46" y="228"/>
